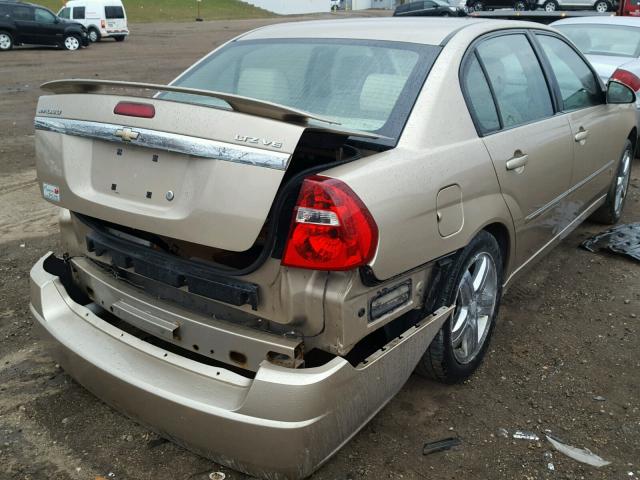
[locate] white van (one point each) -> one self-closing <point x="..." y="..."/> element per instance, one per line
<point x="103" y="18"/>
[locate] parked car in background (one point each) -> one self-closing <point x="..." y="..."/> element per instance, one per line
<point x="262" y="253"/>
<point x="480" y="5"/>
<point x="102" y="18"/>
<point x="428" y="8"/>
<point x="611" y="44"/>
<point x="29" y="24"/>
<point x="601" y="6"/>
<point x="628" y="8"/>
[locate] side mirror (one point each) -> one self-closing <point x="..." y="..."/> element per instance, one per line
<point x="618" y="93"/>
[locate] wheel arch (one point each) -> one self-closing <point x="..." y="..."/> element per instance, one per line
<point x="633" y="138"/>
<point x="503" y="236"/>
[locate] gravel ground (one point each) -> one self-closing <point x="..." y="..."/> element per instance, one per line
<point x="564" y="356"/>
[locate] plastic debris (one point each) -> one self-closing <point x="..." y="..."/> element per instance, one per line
<point x="440" y="445"/>
<point x="581" y="455"/>
<point x="217" y="476"/>
<point x="623" y="240"/>
<point x="524" y="435"/>
<point x="502" y="432"/>
<point x="599" y="398"/>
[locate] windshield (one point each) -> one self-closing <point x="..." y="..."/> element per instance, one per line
<point x="363" y="85"/>
<point x="615" y="40"/>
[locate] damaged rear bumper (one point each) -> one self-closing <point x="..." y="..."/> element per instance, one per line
<point x="284" y="423"/>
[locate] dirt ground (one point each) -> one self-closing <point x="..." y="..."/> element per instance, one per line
<point x="568" y="334"/>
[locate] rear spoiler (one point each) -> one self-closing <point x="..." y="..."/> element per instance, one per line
<point x="238" y="103"/>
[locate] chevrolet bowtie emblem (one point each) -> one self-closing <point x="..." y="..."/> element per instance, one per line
<point x="126" y="134"/>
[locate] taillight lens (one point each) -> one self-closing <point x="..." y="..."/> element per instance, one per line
<point x="627" y="78"/>
<point x="103" y="24"/>
<point x="331" y="228"/>
<point x="133" y="109"/>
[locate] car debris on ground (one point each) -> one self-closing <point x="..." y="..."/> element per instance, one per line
<point x="579" y="454"/>
<point x="623" y="240"/>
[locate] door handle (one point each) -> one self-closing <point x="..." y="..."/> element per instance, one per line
<point x="517" y="162"/>
<point x="582" y="135"/>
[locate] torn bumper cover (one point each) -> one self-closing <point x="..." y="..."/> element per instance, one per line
<point x="282" y="424"/>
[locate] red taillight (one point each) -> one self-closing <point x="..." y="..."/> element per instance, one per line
<point x="103" y="24"/>
<point x="627" y="78"/>
<point x="132" y="109"/>
<point x="331" y="228"/>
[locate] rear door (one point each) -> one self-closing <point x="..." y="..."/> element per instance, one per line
<point x="23" y="16"/>
<point x="529" y="145"/>
<point x="115" y="18"/>
<point x="584" y="102"/>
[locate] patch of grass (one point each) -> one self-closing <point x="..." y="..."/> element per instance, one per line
<point x="139" y="11"/>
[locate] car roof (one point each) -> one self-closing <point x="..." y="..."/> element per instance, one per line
<point x="425" y="30"/>
<point x="608" y="20"/>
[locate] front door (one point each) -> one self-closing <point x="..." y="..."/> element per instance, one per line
<point x="532" y="151"/>
<point x="595" y="151"/>
<point x="49" y="28"/>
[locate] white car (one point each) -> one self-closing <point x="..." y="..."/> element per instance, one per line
<point x="102" y="18"/>
<point x="611" y="44"/>
<point x="600" y="6"/>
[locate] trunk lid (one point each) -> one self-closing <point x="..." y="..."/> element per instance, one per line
<point x="195" y="173"/>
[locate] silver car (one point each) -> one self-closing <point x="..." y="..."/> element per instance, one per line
<point x="600" y="6"/>
<point x="611" y="44"/>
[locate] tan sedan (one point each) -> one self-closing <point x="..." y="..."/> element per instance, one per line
<point x="258" y="256"/>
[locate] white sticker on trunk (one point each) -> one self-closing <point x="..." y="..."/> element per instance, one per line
<point x="51" y="192"/>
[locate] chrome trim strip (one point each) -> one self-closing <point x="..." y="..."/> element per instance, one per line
<point x="559" y="198"/>
<point x="172" y="142"/>
<point x="561" y="235"/>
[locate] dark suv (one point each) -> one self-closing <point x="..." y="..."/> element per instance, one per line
<point x="25" y="23"/>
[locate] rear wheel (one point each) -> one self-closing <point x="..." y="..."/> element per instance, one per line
<point x="119" y="38"/>
<point x="601" y="6"/>
<point x="6" y="41"/>
<point x="94" y="35"/>
<point x="71" y="42"/>
<point x="611" y="211"/>
<point x="473" y="284"/>
<point x="477" y="7"/>
<point x="550" y="6"/>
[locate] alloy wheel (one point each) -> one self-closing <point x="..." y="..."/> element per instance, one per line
<point x="93" y="36"/>
<point x="476" y="302"/>
<point x="71" y="43"/>
<point x="550" y="7"/>
<point x="602" y="7"/>
<point x="5" y="41"/>
<point x="622" y="182"/>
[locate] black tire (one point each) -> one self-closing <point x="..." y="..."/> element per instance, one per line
<point x="94" y="35"/>
<point x="6" y="41"/>
<point x="477" y="7"/>
<point x="520" y="5"/>
<point x="119" y="38"/>
<point x="439" y="361"/>
<point x="601" y="6"/>
<point x="609" y="213"/>
<point x="550" y="6"/>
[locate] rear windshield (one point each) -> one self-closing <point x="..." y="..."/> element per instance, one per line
<point x="363" y="85"/>
<point x="616" y="40"/>
<point x="114" y="12"/>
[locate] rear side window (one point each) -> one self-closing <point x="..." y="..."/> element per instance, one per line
<point x="517" y="80"/>
<point x="23" y="13"/>
<point x="479" y="98"/>
<point x="113" y="12"/>
<point x="578" y="85"/>
<point x="64" y="13"/>
<point x="44" y="16"/>
<point x="78" y="13"/>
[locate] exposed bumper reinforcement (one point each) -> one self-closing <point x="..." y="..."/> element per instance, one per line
<point x="283" y="424"/>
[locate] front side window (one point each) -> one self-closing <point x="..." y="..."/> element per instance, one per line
<point x="517" y="80"/>
<point x="113" y="12"/>
<point x="78" y="13"/>
<point x="479" y="97"/>
<point x="363" y="85"/>
<point x="44" y="16"/>
<point x="610" y="40"/>
<point x="64" y="13"/>
<point x="578" y="85"/>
